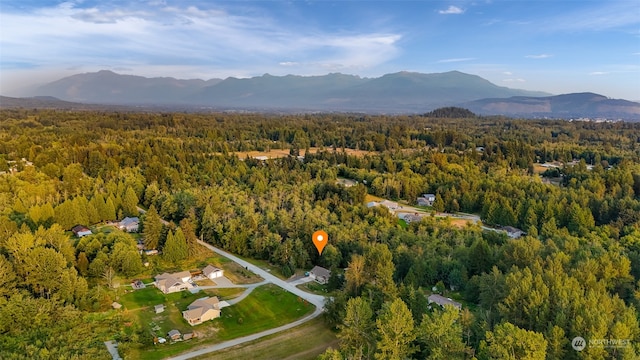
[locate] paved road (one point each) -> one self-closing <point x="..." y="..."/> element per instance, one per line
<point x="316" y="300"/>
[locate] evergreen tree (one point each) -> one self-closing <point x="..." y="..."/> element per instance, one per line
<point x="175" y="248"/>
<point x="152" y="228"/>
<point x="130" y="203"/>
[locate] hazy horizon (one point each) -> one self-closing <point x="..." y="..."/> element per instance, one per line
<point x="559" y="47"/>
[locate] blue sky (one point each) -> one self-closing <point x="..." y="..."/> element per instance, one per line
<point x="558" y="46"/>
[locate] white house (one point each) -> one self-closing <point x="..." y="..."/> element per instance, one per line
<point x="426" y="200"/>
<point x="320" y="274"/>
<point x="212" y="272"/>
<point x="170" y="283"/>
<point x="81" y="231"/>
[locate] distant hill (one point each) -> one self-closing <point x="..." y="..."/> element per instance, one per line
<point x="40" y="102"/>
<point x="107" y="87"/>
<point x="451" y="112"/>
<point x="403" y="92"/>
<point x="567" y="106"/>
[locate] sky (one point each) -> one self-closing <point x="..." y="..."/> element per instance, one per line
<point x="556" y="46"/>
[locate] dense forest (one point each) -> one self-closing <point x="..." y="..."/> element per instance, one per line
<point x="576" y="272"/>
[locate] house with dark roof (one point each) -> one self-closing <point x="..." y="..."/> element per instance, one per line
<point x="129" y="224"/>
<point x="512" y="232"/>
<point x="201" y="310"/>
<point x="81" y="230"/>
<point x="320" y="274"/>
<point x="443" y="301"/>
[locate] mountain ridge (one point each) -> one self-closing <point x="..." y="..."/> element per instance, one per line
<point x="399" y="92"/>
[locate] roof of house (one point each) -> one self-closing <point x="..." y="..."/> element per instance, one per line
<point x="511" y="229"/>
<point x="372" y="204"/>
<point x="389" y="204"/>
<point x="173" y="332"/>
<point x="129" y="221"/>
<point x="209" y="269"/>
<point x="428" y="196"/>
<point x="178" y="275"/>
<point x="442" y="301"/>
<point x="167" y="280"/>
<point x="319" y="271"/>
<point x="116" y="305"/>
<point x="80" y="228"/>
<point x="157" y="307"/>
<point x="199" y="307"/>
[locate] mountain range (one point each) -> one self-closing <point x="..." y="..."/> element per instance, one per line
<point x="402" y="92"/>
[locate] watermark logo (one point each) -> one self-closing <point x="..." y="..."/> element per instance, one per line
<point x="578" y="343"/>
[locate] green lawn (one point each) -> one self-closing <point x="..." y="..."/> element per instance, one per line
<point x="267" y="307"/>
<point x="148" y="296"/>
<point x="304" y="342"/>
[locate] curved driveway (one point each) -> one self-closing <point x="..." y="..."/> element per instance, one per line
<point x="316" y="300"/>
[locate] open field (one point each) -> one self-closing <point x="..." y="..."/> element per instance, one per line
<point x="304" y="342"/>
<point x="266" y="307"/>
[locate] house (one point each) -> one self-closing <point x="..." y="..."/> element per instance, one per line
<point x="129" y="224"/>
<point x="320" y="274"/>
<point x="201" y="310"/>
<point x="80" y="231"/>
<point x="426" y="200"/>
<point x="389" y="204"/>
<point x="188" y="336"/>
<point x="212" y="272"/>
<point x="512" y="232"/>
<point x="170" y="283"/>
<point x="116" y="305"/>
<point x="409" y="218"/>
<point x="151" y="252"/>
<point x="371" y="204"/>
<point x="443" y="301"/>
<point x="159" y="308"/>
<point x="174" y="334"/>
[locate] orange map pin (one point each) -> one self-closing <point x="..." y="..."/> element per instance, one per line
<point x="320" y="239"/>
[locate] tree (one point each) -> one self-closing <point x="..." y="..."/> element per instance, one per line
<point x="395" y="331"/>
<point x="130" y="203"/>
<point x="355" y="274"/>
<point x="175" y="248"/>
<point x="441" y="331"/>
<point x="509" y="342"/>
<point x="152" y="228"/>
<point x="356" y="330"/>
<point x="83" y="263"/>
<point x="190" y="237"/>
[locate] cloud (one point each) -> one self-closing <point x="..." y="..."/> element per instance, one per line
<point x="514" y="80"/>
<point x="229" y="41"/>
<point x="507" y="73"/>
<point x="599" y="73"/>
<point x="455" y="60"/>
<point x="451" y="10"/>
<point x="540" y="56"/>
<point x="606" y="15"/>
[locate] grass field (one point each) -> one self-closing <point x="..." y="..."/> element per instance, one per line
<point x="267" y="307"/>
<point x="304" y="342"/>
